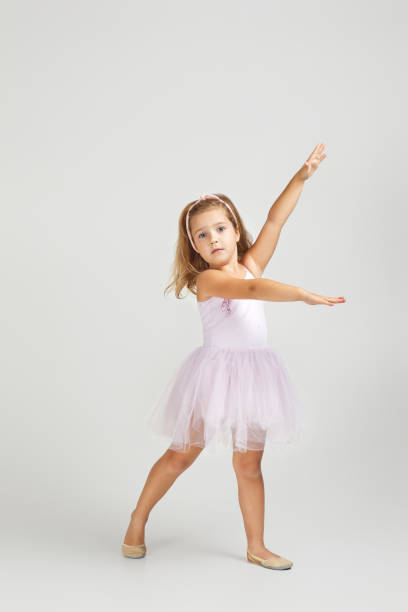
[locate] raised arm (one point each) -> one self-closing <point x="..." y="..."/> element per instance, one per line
<point x="260" y="253"/>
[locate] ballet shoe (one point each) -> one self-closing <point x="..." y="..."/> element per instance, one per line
<point x="271" y="563"/>
<point x="134" y="552"/>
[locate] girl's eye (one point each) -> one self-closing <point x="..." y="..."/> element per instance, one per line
<point x="203" y="233"/>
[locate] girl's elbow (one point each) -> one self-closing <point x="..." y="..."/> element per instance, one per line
<point x="253" y="287"/>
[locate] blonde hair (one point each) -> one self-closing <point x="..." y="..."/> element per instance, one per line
<point x="187" y="263"/>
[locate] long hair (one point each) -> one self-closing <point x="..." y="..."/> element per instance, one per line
<point x="187" y="262"/>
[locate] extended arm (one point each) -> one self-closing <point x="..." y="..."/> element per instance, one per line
<point x="219" y="284"/>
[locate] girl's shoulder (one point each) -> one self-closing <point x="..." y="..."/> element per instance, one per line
<point x="201" y="296"/>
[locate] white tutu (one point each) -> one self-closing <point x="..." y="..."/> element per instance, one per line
<point x="234" y="390"/>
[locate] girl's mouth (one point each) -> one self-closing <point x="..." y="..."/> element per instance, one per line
<point x="216" y="250"/>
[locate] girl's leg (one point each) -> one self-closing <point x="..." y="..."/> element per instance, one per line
<point x="160" y="478"/>
<point x="251" y="495"/>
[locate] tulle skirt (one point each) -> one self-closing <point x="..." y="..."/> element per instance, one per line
<point x="241" y="399"/>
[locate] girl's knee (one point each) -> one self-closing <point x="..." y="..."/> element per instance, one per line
<point x="247" y="464"/>
<point x="178" y="461"/>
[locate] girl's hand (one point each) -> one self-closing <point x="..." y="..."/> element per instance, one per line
<point x="312" y="162"/>
<point x="314" y="298"/>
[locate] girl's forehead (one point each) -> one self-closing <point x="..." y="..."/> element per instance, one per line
<point x="208" y="217"/>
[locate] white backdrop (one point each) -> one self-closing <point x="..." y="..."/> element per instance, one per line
<point x="114" y="116"/>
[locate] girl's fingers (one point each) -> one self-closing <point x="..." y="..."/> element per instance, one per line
<point x="318" y="149"/>
<point x="315" y="157"/>
<point x="313" y="152"/>
<point x="318" y="152"/>
<point x="330" y="301"/>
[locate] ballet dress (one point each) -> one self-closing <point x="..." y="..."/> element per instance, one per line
<point x="234" y="391"/>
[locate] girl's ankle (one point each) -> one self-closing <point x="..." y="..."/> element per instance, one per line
<point x="255" y="546"/>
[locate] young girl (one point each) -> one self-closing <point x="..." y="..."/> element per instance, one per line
<point x="234" y="389"/>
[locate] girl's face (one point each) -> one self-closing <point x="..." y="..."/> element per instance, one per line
<point x="214" y="236"/>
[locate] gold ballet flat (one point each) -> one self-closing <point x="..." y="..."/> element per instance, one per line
<point x="134" y="552"/>
<point x="271" y="563"/>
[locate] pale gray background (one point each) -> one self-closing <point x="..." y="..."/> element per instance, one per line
<point x="114" y="116"/>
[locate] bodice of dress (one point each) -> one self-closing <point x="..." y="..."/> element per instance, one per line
<point x="233" y="323"/>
